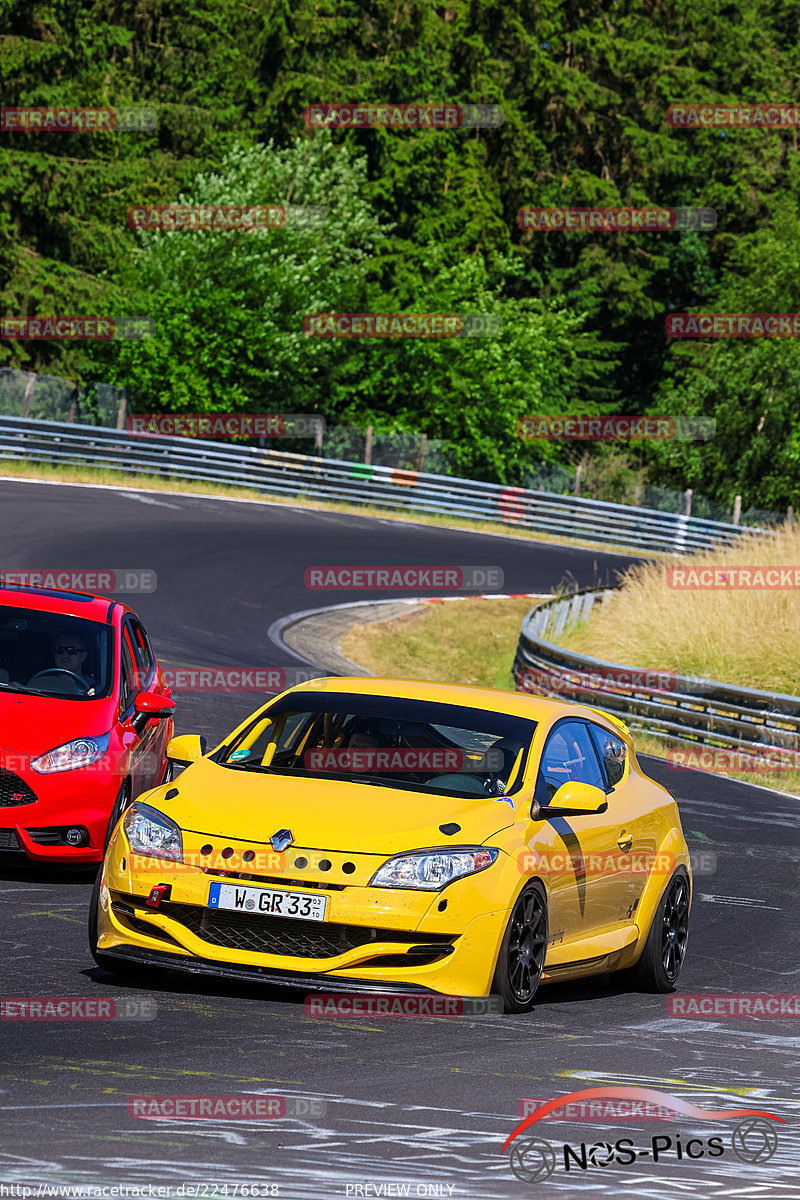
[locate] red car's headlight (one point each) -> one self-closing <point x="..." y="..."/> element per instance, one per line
<point x="82" y="752"/>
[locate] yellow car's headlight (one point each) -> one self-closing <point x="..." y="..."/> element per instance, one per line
<point x="152" y="833"/>
<point x="430" y="870"/>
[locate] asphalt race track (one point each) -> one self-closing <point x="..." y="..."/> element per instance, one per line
<point x="417" y="1107"/>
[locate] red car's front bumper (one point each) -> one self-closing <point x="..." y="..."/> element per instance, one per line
<point x="80" y="799"/>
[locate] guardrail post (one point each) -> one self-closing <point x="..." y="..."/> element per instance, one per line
<point x="687" y="495"/>
<point x="561" y="611"/>
<point x="368" y="447"/>
<point x="737" y="510"/>
<point x="28" y="396"/>
<point x="587" y="606"/>
<point x="680" y="534"/>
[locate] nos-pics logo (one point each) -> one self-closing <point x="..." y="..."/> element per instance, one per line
<point x="753" y="1139"/>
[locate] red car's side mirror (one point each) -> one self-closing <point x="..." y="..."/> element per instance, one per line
<point x="150" y="704"/>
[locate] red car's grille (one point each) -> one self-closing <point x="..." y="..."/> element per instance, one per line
<point x="14" y="790"/>
<point x="282" y="935"/>
<point x="8" y="840"/>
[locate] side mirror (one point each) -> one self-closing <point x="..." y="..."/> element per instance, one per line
<point x="186" y="749"/>
<point x="575" y="799"/>
<point x="148" y="705"/>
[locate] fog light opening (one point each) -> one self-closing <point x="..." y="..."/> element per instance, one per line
<point x="77" y="836"/>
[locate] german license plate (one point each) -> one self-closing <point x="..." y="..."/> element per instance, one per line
<point x="267" y="901"/>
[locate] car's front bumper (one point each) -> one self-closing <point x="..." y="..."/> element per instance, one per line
<point x="390" y="939"/>
<point x="62" y="801"/>
<point x="255" y="974"/>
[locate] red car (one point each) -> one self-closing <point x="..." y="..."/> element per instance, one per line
<point x="85" y="718"/>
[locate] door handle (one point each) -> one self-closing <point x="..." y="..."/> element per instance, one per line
<point x="625" y="841"/>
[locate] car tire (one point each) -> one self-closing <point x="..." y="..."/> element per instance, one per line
<point x="665" y="949"/>
<point x="120" y="804"/>
<point x="522" y="951"/>
<point x="109" y="962"/>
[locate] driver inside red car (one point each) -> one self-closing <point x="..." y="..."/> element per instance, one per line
<point x="69" y="654"/>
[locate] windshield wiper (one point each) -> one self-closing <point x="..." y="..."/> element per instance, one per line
<point x="22" y="690"/>
<point x="243" y="766"/>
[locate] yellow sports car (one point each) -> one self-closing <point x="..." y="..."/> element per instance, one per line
<point x="378" y="835"/>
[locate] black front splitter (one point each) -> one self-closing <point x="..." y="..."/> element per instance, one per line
<point x="288" y="979"/>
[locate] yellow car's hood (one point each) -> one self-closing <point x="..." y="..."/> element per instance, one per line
<point x="326" y="814"/>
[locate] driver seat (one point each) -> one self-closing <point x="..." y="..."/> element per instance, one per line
<point x="31" y="654"/>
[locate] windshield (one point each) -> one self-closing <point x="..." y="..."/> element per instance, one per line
<point x="49" y="654"/>
<point x="387" y="741"/>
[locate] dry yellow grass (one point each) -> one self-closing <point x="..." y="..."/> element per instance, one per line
<point x="745" y="637"/>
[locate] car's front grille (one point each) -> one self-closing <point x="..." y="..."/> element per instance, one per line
<point x="8" y="840"/>
<point x="284" y="935"/>
<point x="14" y="790"/>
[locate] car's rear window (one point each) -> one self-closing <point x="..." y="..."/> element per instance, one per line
<point x="50" y="654"/>
<point x="388" y="741"/>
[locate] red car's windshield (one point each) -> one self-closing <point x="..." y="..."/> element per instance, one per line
<point x="55" y="655"/>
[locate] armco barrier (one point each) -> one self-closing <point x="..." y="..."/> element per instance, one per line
<point x="280" y="473"/>
<point x="694" y="711"/>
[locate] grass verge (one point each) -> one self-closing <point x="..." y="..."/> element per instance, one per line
<point x="468" y="642"/>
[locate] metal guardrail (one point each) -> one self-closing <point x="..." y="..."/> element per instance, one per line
<point x="281" y="473"/>
<point x="684" y="709"/>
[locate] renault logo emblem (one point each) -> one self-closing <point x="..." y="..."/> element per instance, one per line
<point x="281" y="839"/>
